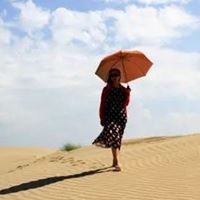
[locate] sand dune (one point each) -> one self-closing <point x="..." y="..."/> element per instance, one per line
<point x="12" y="157"/>
<point x="163" y="168"/>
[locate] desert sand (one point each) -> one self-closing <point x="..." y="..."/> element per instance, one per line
<point x="156" y="168"/>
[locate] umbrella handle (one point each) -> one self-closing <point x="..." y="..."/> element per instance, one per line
<point x="128" y="87"/>
<point x="124" y="70"/>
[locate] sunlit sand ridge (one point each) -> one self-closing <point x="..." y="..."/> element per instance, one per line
<point x="152" y="168"/>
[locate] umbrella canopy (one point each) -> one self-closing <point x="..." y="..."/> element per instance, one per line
<point x="132" y="64"/>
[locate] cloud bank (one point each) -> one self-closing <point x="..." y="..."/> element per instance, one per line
<point x="48" y="59"/>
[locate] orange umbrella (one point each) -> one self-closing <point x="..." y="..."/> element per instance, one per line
<point x="132" y="64"/>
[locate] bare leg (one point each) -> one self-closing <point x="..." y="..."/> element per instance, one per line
<point x="115" y="153"/>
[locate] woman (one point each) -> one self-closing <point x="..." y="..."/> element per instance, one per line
<point x="113" y="115"/>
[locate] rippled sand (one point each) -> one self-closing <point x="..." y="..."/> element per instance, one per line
<point x="153" y="168"/>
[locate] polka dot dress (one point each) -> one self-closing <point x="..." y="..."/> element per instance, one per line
<point x="115" y="120"/>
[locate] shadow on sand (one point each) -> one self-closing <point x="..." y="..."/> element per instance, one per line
<point x="50" y="180"/>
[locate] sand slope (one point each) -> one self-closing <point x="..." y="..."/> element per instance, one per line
<point x="153" y="168"/>
<point x="12" y="157"/>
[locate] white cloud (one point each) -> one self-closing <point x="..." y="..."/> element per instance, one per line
<point x="37" y="62"/>
<point x="174" y="74"/>
<point x="116" y="1"/>
<point x="31" y="64"/>
<point x="145" y="122"/>
<point x="4" y="117"/>
<point x="149" y="25"/>
<point x="136" y="24"/>
<point x="184" y="122"/>
<point x="5" y="35"/>
<point x="148" y="2"/>
<point x="31" y="17"/>
<point x="68" y="26"/>
<point x="163" y="1"/>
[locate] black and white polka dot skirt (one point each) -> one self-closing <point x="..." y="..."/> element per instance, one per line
<point x="115" y="121"/>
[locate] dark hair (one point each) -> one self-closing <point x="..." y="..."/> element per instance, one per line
<point x="109" y="80"/>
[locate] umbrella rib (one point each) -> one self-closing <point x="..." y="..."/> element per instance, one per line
<point x="110" y="68"/>
<point x="140" y="69"/>
<point x="114" y="64"/>
<point x="135" y="64"/>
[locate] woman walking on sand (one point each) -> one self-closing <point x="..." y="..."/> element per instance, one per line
<point x="113" y="115"/>
<point x="119" y="67"/>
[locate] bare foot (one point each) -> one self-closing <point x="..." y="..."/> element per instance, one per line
<point x="117" y="168"/>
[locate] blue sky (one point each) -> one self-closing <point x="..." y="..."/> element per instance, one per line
<point x="49" y="51"/>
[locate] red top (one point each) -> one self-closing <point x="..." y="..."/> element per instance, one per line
<point x="104" y="94"/>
